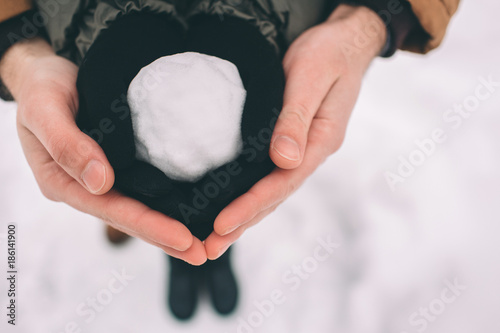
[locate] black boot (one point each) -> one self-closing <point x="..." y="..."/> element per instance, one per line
<point x="221" y="284"/>
<point x="183" y="288"/>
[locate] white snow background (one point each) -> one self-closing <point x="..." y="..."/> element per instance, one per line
<point x="398" y="250"/>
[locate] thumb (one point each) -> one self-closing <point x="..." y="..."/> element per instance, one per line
<point x="290" y="136"/>
<point x="79" y="155"/>
<point x="304" y="93"/>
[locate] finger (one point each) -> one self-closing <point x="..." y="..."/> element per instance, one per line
<point x="123" y="212"/>
<point x="275" y="187"/>
<point x="330" y="123"/>
<point x="132" y="217"/>
<point x="216" y="245"/>
<point x="260" y="196"/>
<point x="195" y="255"/>
<point x="79" y="155"/>
<point x="325" y="136"/>
<point x="305" y="90"/>
<point x="136" y="219"/>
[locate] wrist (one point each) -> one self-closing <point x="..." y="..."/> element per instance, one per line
<point x="16" y="65"/>
<point x="365" y="27"/>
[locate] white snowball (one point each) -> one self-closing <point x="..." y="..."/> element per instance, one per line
<point x="186" y="113"/>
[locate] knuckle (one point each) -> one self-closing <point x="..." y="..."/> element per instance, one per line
<point x="291" y="188"/>
<point x="104" y="216"/>
<point x="48" y="193"/>
<point x="336" y="144"/>
<point x="61" y="152"/>
<point x="274" y="208"/>
<point x="45" y="181"/>
<point x="329" y="134"/>
<point x="24" y="113"/>
<point x="107" y="214"/>
<point x="298" y="114"/>
<point x="336" y="138"/>
<point x="84" y="148"/>
<point x="29" y="110"/>
<point x="287" y="187"/>
<point x="140" y="225"/>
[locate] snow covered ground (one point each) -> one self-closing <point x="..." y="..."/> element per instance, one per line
<point x="422" y="258"/>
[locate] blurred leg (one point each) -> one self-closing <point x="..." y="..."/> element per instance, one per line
<point x="183" y="288"/>
<point x="221" y="283"/>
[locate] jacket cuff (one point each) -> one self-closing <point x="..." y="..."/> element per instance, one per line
<point x="24" y="26"/>
<point x="397" y="16"/>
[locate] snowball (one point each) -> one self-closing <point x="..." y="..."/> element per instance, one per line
<point x="186" y="113"/>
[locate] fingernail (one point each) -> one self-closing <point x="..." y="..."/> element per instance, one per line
<point x="222" y="250"/>
<point x="230" y="230"/>
<point x="94" y="176"/>
<point x="186" y="246"/>
<point x="287" y="148"/>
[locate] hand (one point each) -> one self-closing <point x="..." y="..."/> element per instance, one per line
<point x="68" y="165"/>
<point x="324" y="68"/>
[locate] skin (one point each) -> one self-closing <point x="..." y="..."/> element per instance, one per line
<point x="59" y="154"/>
<point x="324" y="68"/>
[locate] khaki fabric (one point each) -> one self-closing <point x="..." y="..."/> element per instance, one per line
<point x="434" y="17"/>
<point x="11" y="8"/>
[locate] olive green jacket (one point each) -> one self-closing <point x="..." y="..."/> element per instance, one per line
<point x="72" y="25"/>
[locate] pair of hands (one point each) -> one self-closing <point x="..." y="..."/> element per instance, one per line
<point x="323" y="67"/>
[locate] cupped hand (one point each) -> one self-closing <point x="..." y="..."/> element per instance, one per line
<point x="324" y="68"/>
<point x="68" y="165"/>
